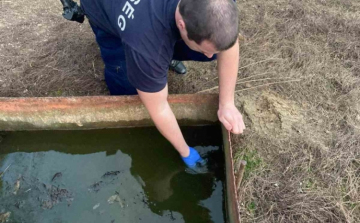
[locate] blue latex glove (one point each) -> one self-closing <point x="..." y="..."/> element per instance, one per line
<point x="195" y="163"/>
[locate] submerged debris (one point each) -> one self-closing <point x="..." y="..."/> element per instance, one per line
<point x="57" y="175"/>
<point x="47" y="204"/>
<point x="96" y="186"/>
<point x="112" y="199"/>
<point x="96" y="206"/>
<point x="111" y="173"/>
<point x="56" y="195"/>
<point x="2" y="173"/>
<point x="116" y="198"/>
<point x="141" y="181"/>
<point x="16" y="186"/>
<point x="46" y="186"/>
<point x="70" y="200"/>
<point x="19" y="204"/>
<point x="5" y="217"/>
<point x="108" y="177"/>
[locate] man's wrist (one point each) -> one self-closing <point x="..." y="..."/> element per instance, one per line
<point x="226" y="103"/>
<point x="184" y="151"/>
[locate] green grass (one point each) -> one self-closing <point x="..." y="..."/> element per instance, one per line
<point x="251" y="208"/>
<point x="252" y="158"/>
<point x="309" y="183"/>
<point x="58" y="93"/>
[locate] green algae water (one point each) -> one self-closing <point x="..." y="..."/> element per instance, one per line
<point x="113" y="175"/>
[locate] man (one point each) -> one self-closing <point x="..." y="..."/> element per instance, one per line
<point x="138" y="39"/>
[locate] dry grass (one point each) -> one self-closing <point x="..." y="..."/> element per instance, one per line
<point x="305" y="135"/>
<point x="42" y="54"/>
<point x="303" y="138"/>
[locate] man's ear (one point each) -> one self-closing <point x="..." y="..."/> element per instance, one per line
<point x="181" y="25"/>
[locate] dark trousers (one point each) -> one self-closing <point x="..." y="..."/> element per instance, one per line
<point x="113" y="55"/>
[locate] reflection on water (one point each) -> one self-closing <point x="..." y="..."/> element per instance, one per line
<point x="136" y="166"/>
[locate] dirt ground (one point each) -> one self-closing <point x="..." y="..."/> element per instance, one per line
<point x="298" y="88"/>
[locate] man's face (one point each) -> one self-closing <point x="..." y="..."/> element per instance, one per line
<point x="205" y="47"/>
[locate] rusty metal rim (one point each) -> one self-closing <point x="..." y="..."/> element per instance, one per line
<point x="231" y="194"/>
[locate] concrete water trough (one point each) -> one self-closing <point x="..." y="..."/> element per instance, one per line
<point x="102" y="112"/>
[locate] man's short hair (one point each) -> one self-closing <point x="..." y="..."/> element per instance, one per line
<point x="213" y="20"/>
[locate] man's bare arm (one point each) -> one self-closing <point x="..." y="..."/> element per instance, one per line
<point x="229" y="115"/>
<point x="164" y="119"/>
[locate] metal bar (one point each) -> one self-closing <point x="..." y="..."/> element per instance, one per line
<point x="73" y="113"/>
<point x="231" y="195"/>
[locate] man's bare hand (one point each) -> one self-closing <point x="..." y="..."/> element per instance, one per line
<point x="231" y="118"/>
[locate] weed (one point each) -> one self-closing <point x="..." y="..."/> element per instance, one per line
<point x="253" y="161"/>
<point x="251" y="208"/>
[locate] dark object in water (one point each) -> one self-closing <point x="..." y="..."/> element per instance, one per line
<point x="96" y="186"/>
<point x="19" y="204"/>
<point x="111" y="173"/>
<point x="57" y="175"/>
<point x="56" y="195"/>
<point x="199" y="168"/>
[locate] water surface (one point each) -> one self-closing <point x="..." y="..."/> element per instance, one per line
<point x="69" y="176"/>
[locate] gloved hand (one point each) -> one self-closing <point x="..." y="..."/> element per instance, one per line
<point x="195" y="163"/>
